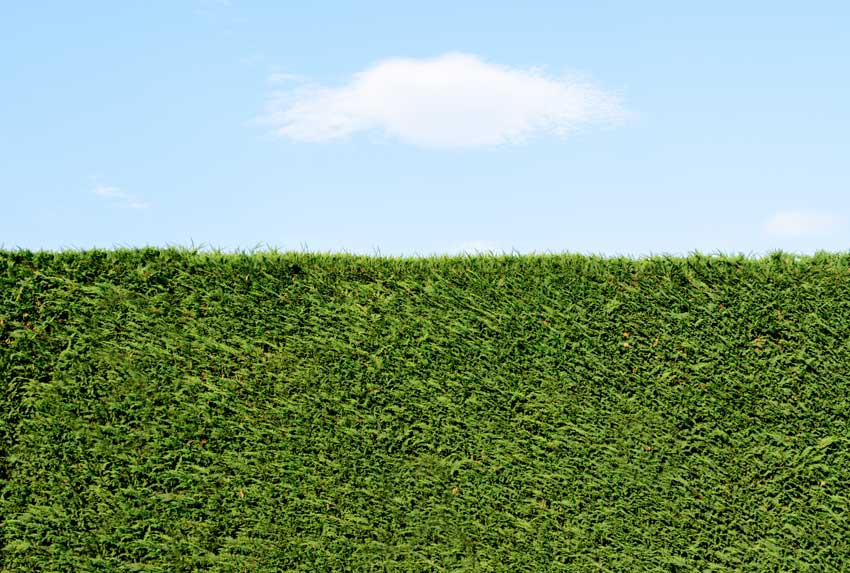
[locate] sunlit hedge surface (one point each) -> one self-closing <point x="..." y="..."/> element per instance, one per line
<point x="175" y="410"/>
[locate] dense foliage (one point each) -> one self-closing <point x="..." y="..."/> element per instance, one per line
<point x="173" y="410"/>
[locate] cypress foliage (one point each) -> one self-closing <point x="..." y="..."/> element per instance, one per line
<point x="173" y="410"/>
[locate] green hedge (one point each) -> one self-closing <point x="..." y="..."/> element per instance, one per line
<point x="173" y="410"/>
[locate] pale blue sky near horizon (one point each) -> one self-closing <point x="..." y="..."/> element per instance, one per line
<point x="614" y="128"/>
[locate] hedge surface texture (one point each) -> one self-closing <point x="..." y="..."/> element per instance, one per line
<point x="171" y="410"/>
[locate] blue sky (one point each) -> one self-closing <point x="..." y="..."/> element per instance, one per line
<point x="615" y="128"/>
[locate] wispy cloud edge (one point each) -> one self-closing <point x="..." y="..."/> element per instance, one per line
<point x="114" y="193"/>
<point x="802" y="222"/>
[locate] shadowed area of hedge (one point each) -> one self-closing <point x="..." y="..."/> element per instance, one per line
<point x="172" y="410"/>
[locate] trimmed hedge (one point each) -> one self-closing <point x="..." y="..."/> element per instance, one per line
<point x="172" y="410"/>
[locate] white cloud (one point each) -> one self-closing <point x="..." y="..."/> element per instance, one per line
<point x="455" y="100"/>
<point x="283" y="77"/>
<point x="109" y="192"/>
<point x="126" y="200"/>
<point x="214" y="3"/>
<point x="802" y="222"/>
